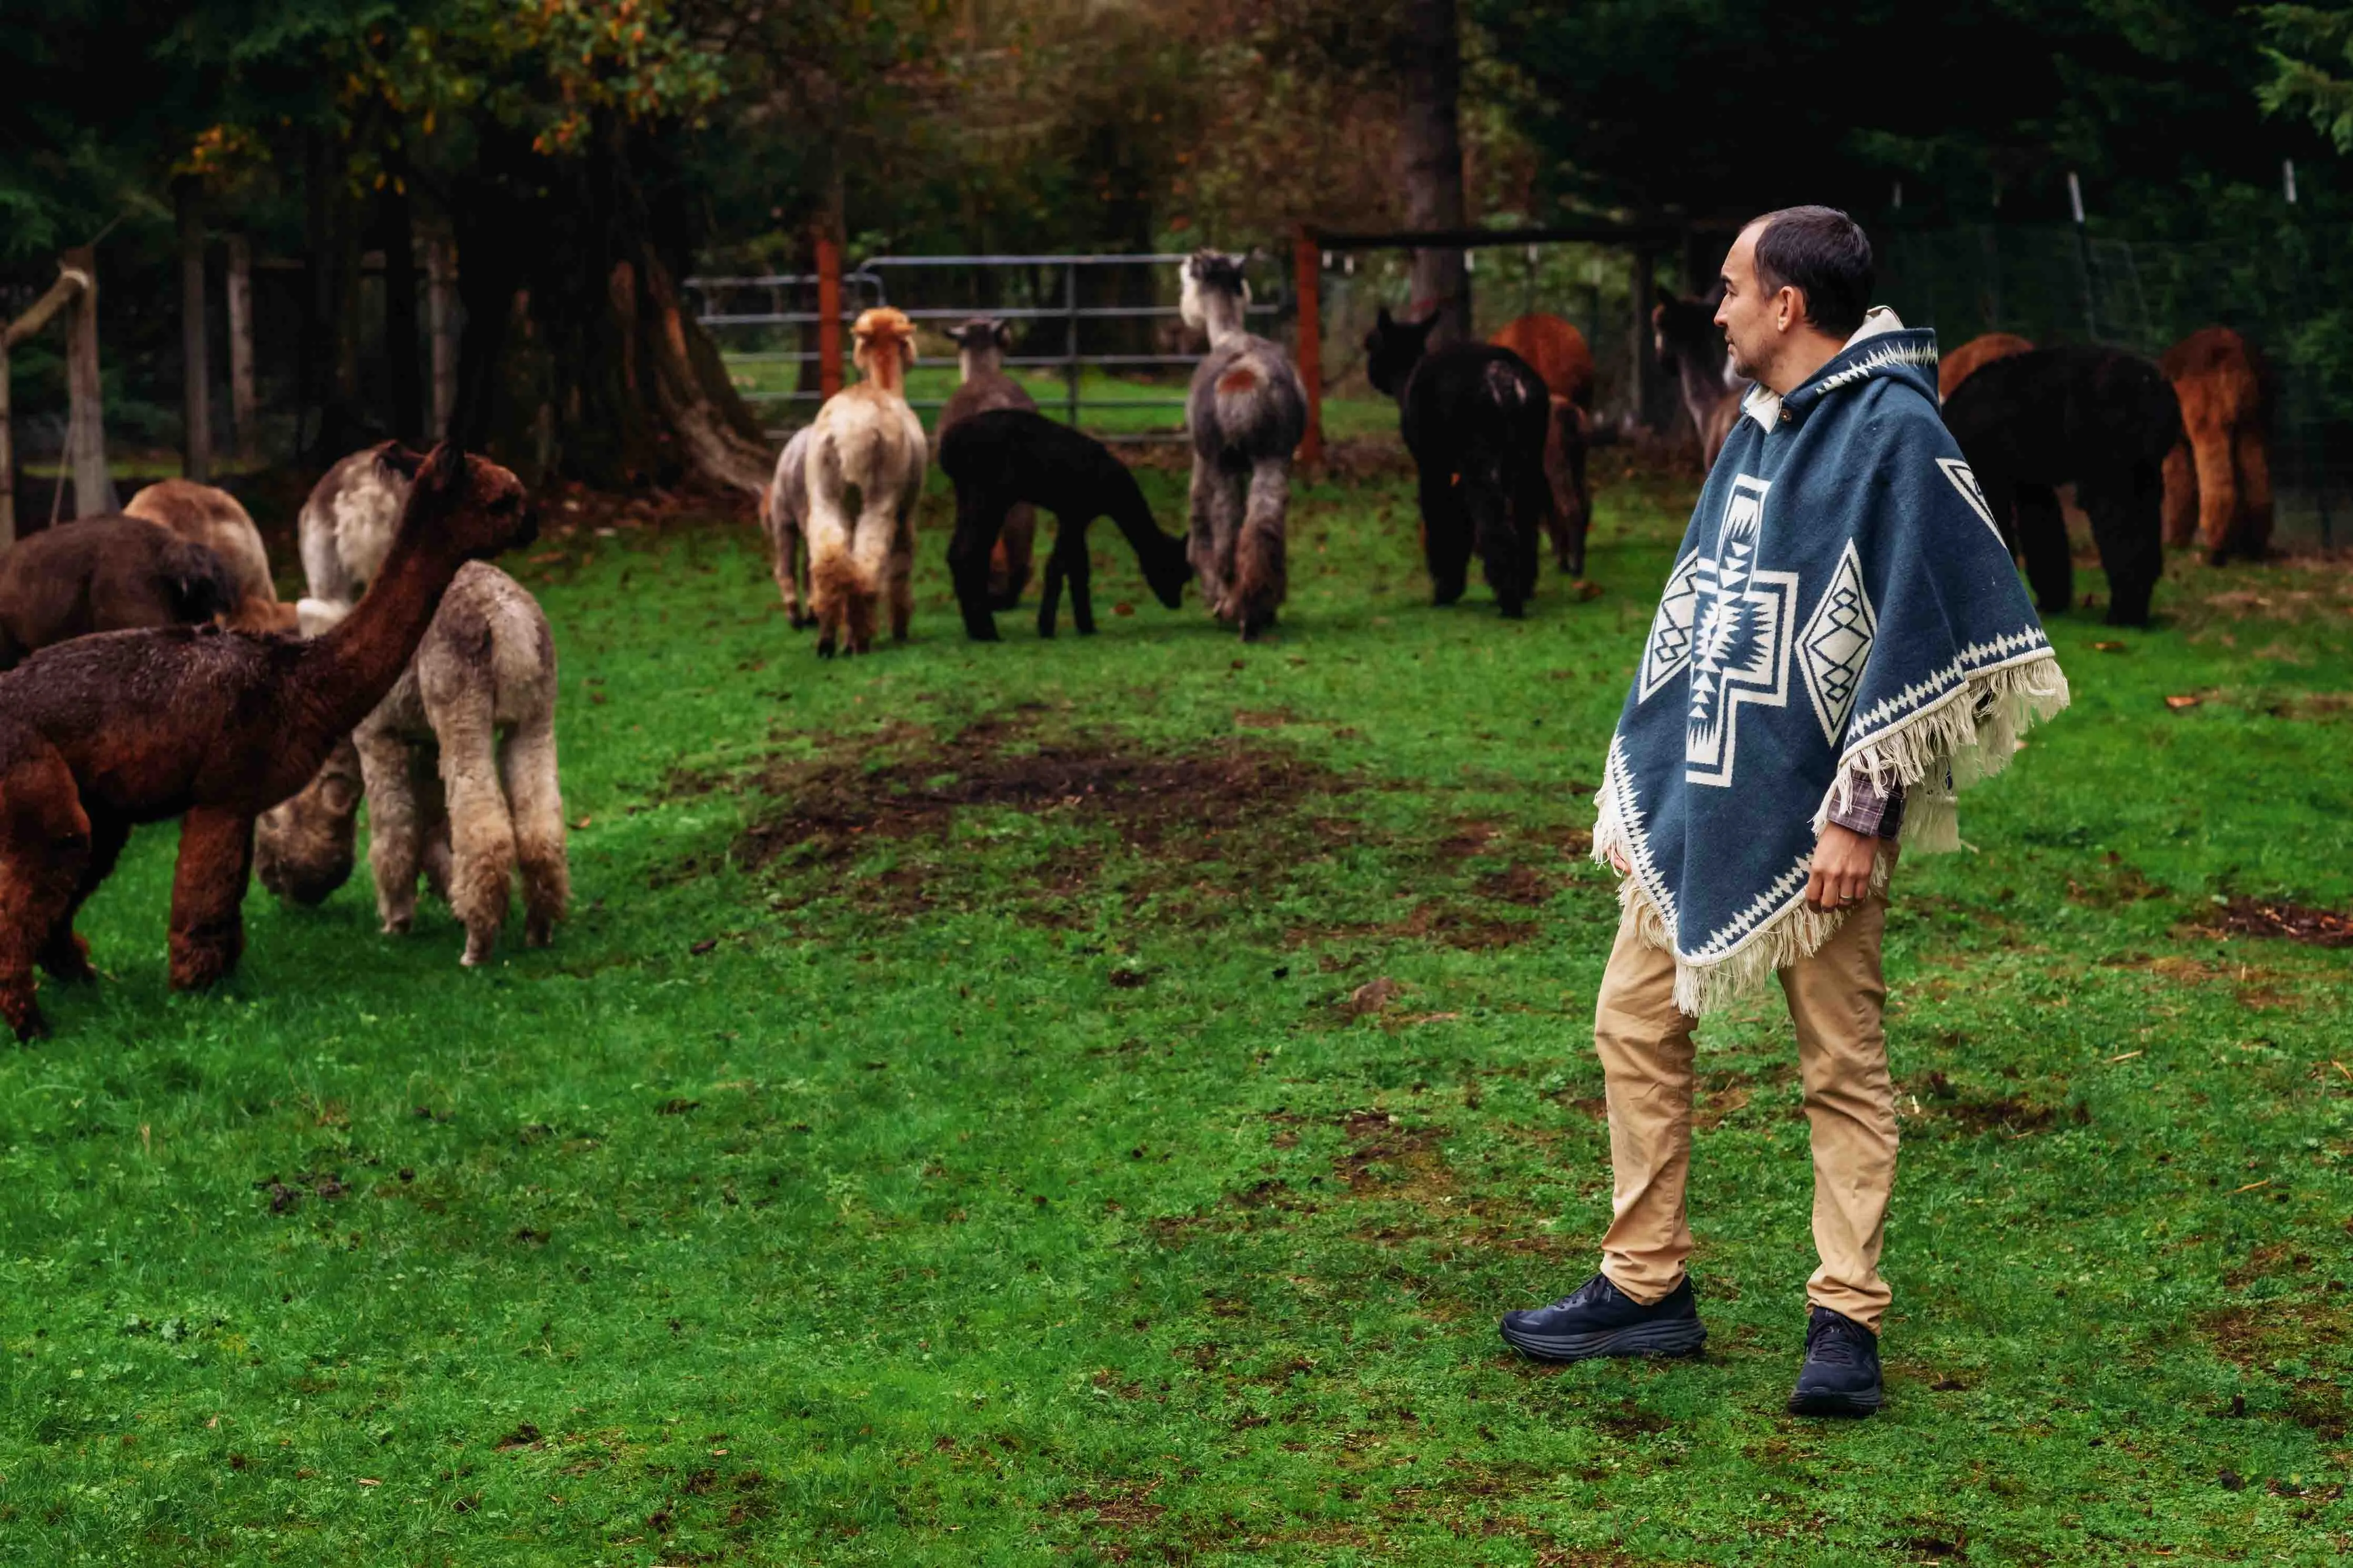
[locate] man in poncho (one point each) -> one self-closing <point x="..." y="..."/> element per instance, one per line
<point x="1843" y="641"/>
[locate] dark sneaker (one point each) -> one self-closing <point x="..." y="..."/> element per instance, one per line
<point x="1840" y="1376"/>
<point x="1597" y="1319"/>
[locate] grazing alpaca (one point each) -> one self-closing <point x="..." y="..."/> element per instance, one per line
<point x="2218" y="483"/>
<point x="214" y="518"/>
<point x="104" y="732"/>
<point x="980" y="360"/>
<point x="105" y="574"/>
<point x="1008" y="456"/>
<point x="346" y="525"/>
<point x="1690" y="345"/>
<point x="458" y="763"/>
<point x="1247" y="412"/>
<point x="1473" y="417"/>
<point x="784" y="517"/>
<point x="2101" y="417"/>
<point x="1556" y="351"/>
<point x="865" y="474"/>
<point x="1970" y="357"/>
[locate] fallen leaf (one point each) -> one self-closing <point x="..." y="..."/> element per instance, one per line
<point x="370" y="1481"/>
<point x="580" y="822"/>
<point x="1589" y="590"/>
<point x="544" y="558"/>
<point x="1123" y="608"/>
<point x="2179" y="703"/>
<point x="705" y="945"/>
<point x="2111" y="647"/>
<point x="1371" y="996"/>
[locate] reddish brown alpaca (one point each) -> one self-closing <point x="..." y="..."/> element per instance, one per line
<point x="1557" y="353"/>
<point x="2218" y="483"/>
<point x="1970" y="357"/>
<point x="104" y="732"/>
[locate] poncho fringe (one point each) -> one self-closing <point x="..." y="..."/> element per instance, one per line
<point x="1968" y="734"/>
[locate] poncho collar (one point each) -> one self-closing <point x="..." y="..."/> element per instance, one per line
<point x="1883" y="345"/>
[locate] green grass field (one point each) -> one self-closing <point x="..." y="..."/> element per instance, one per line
<point x="1086" y="1102"/>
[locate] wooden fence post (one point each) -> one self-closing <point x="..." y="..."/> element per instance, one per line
<point x="196" y="369"/>
<point x="240" y="347"/>
<point x="828" y="315"/>
<point x="1307" y="290"/>
<point x="86" y="430"/>
<point x="70" y="285"/>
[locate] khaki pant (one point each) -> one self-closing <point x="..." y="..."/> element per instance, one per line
<point x="1645" y="1043"/>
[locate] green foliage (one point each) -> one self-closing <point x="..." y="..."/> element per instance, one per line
<point x="1016" y="1181"/>
<point x="2310" y="49"/>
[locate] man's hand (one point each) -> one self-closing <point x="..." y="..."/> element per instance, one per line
<point x="1617" y="861"/>
<point x="1843" y="860"/>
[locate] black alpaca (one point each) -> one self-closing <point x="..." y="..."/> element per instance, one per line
<point x="1474" y="418"/>
<point x="1006" y="456"/>
<point x="2101" y="417"/>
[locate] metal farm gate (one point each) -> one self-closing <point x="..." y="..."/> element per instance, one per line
<point x="1072" y="315"/>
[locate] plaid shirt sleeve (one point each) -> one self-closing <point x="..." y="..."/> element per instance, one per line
<point x="1868" y="812"/>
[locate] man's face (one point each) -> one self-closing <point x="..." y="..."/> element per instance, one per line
<point x="1749" y="314"/>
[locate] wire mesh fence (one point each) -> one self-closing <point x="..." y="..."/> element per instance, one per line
<point x="2057" y="284"/>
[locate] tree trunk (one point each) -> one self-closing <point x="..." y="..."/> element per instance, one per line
<point x="441" y="273"/>
<point x="85" y="427"/>
<point x="331" y="330"/>
<point x="404" y="377"/>
<point x="1430" y="144"/>
<point x="195" y="360"/>
<point x="241" y="405"/>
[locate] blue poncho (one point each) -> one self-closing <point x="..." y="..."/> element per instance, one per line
<point x="1842" y="602"/>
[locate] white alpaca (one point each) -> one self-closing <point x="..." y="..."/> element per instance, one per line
<point x="865" y="473"/>
<point x="459" y="766"/>
<point x="347" y="524"/>
<point x="784" y="517"/>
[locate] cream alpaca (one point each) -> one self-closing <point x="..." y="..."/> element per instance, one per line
<point x="866" y="460"/>
<point x="458" y="765"/>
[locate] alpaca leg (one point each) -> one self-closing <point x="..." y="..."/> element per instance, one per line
<point x="397" y="818"/>
<point x="2218" y="491"/>
<point x="481" y="826"/>
<point x="2125" y="526"/>
<point x="1008" y="563"/>
<point x="2041" y="529"/>
<point x="833" y="580"/>
<point x="902" y="584"/>
<point x="64" y="954"/>
<point x="1445" y="535"/>
<point x="208" y="896"/>
<point x="1071" y="536"/>
<point x="435" y="859"/>
<point x="1260" y="578"/>
<point x="45" y="848"/>
<point x="1486" y="503"/>
<point x="970" y="550"/>
<point x="1201" y="541"/>
<point x="870" y="550"/>
<point x="1050" y="594"/>
<point x="788" y="553"/>
<point x="2181" y="496"/>
<point x="535" y="795"/>
<point x="2248" y="446"/>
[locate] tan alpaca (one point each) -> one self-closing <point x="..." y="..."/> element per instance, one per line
<point x="866" y="460"/>
<point x="214" y="518"/>
<point x="459" y="766"/>
<point x="784" y="517"/>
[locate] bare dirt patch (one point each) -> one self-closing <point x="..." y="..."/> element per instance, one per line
<point x="2277" y="918"/>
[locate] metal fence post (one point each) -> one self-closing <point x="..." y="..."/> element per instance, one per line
<point x="828" y="315"/>
<point x="1307" y="285"/>
<point x="1071" y="338"/>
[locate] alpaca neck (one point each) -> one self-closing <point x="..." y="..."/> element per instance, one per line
<point x="884" y="371"/>
<point x="1222" y="313"/>
<point x="973" y="364"/>
<point x="1703" y="387"/>
<point x="348" y="671"/>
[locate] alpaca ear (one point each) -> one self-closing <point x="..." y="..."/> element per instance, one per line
<point x="1385" y="320"/>
<point x="1005" y="336"/>
<point x="398" y="461"/>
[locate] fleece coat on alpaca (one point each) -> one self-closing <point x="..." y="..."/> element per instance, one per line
<point x="865" y="473"/>
<point x="980" y="360"/>
<point x="784" y="519"/>
<point x="2218" y="481"/>
<point x="1557" y="353"/>
<point x="105" y="574"/>
<point x="346" y="525"/>
<point x="1246" y="412"/>
<point x="216" y="520"/>
<point x="1842" y="604"/>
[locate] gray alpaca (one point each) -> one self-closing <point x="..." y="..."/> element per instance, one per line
<point x="1247" y="412"/>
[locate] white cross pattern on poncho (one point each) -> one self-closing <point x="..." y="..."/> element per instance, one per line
<point x="1741" y="637"/>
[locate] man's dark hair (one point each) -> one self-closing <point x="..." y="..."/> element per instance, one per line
<point x="1822" y="253"/>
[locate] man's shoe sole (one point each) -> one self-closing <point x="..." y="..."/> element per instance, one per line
<point x="1679" y="1338"/>
<point x="1854" y="1406"/>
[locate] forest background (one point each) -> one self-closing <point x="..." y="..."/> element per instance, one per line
<point x="586" y="155"/>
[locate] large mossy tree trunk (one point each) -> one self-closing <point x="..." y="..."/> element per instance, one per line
<point x="1429" y="149"/>
<point x="578" y="359"/>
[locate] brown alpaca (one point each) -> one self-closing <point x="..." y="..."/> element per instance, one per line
<point x="459" y="766"/>
<point x="216" y="518"/>
<point x="104" y="574"/>
<point x="1975" y="356"/>
<point x="1557" y="353"/>
<point x="981" y="361"/>
<point x="866" y="460"/>
<point x="2218" y="483"/>
<point x="101" y="733"/>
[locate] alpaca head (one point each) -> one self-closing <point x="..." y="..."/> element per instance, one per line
<point x="302" y="848"/>
<point x="981" y="345"/>
<point x="1392" y="349"/>
<point x="1681" y="328"/>
<point x="468" y="505"/>
<point x="1205" y="274"/>
<point x="885" y="349"/>
<point x="198" y="579"/>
